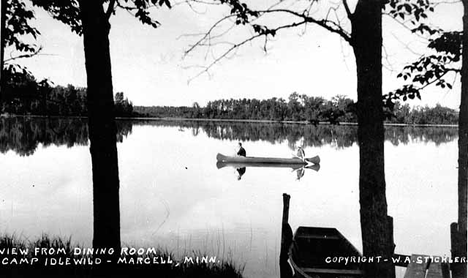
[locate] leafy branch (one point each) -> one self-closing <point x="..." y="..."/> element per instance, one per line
<point x="429" y="69"/>
<point x="68" y="12"/>
<point x="17" y="17"/>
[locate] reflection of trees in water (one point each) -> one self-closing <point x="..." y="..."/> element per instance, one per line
<point x="312" y="136"/>
<point x="405" y="135"/>
<point x="23" y="135"/>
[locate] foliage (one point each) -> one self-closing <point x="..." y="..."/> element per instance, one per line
<point x="17" y="31"/>
<point x="23" y="95"/>
<point x="433" y="68"/>
<point x="18" y="17"/>
<point x="414" y="10"/>
<point x="430" y="69"/>
<point x="297" y="108"/>
<point x="68" y="12"/>
<point x="122" y="106"/>
<point x="423" y="115"/>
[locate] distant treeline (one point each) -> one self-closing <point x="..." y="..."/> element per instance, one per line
<point x="423" y="115"/>
<point x="23" y="95"/>
<point x="298" y="108"/>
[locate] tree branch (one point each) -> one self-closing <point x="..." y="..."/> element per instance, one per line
<point x="110" y="8"/>
<point x="207" y="34"/>
<point x="244" y="16"/>
<point x="453" y="69"/>
<point x="324" y="23"/>
<point x="24" y="55"/>
<point x="236" y="46"/>
<point x="348" y="11"/>
<point x="433" y="81"/>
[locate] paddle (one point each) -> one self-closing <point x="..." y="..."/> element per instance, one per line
<point x="315" y="167"/>
<point x="314" y="160"/>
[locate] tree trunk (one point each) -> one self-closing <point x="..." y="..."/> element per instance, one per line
<point x="459" y="229"/>
<point x="367" y="46"/>
<point x="102" y="128"/>
<point x="2" y="45"/>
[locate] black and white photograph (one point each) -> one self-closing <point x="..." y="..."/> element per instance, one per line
<point x="233" y="138"/>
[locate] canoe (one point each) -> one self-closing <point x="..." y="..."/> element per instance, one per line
<point x="313" y="249"/>
<point x="266" y="160"/>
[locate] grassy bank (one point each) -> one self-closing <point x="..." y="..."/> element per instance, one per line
<point x="57" y="257"/>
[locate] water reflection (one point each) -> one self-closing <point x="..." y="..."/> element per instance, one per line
<point x="223" y="213"/>
<point x="240" y="163"/>
<point x="23" y="134"/>
<point x="312" y="136"/>
<point x="241" y="172"/>
<point x="241" y="168"/>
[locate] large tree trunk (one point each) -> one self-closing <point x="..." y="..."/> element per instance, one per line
<point x="2" y="45"/>
<point x="459" y="229"/>
<point x="102" y="128"/>
<point x="367" y="45"/>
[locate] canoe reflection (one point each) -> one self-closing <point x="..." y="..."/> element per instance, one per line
<point x="242" y="167"/>
<point x="238" y="165"/>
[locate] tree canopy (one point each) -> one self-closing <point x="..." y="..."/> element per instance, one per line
<point x="68" y="12"/>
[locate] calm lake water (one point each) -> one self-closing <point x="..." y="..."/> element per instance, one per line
<point x="173" y="195"/>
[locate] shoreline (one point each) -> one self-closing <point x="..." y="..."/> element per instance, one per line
<point x="227" y="120"/>
<point x="278" y="122"/>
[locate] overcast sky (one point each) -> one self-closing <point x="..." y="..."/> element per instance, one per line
<point x="148" y="64"/>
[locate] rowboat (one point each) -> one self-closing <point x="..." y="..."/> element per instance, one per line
<point x="267" y="160"/>
<point x="315" y="251"/>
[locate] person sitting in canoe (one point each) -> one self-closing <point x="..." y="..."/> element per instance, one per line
<point x="241" y="151"/>
<point x="300" y="153"/>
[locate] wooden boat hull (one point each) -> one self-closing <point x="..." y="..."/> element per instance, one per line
<point x="312" y="246"/>
<point x="266" y="160"/>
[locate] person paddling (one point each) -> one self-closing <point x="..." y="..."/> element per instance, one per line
<point x="300" y="153"/>
<point x="241" y="151"/>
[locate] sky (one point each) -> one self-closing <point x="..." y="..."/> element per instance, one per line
<point x="149" y="66"/>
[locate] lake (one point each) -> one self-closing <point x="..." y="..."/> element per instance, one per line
<point x="172" y="194"/>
